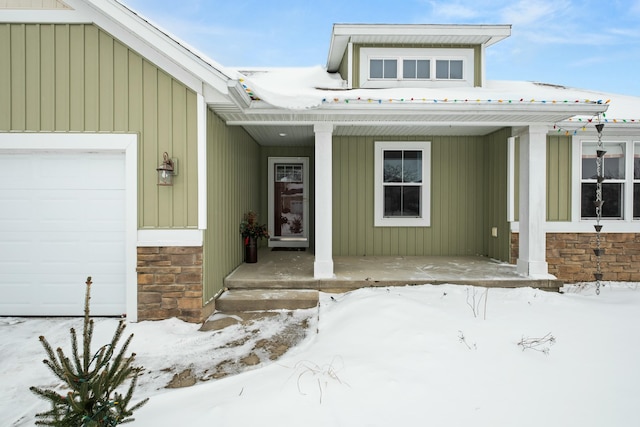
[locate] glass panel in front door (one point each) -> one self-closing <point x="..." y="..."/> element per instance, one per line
<point x="288" y="200"/>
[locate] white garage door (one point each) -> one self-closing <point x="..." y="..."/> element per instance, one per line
<point x="62" y="218"/>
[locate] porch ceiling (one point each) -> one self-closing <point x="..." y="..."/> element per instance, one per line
<point x="287" y="134"/>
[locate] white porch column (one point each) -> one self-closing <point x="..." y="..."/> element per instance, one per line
<point x="323" y="265"/>
<point x="533" y="202"/>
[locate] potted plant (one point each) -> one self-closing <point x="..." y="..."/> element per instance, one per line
<point x="251" y="231"/>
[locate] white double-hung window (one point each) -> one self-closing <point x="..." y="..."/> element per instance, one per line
<point x="621" y="184"/>
<point x="402" y="184"/>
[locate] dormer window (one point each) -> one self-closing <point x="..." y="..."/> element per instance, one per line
<point x="416" y="67"/>
<point x="383" y="69"/>
<point x="420" y="55"/>
<point x="449" y="69"/>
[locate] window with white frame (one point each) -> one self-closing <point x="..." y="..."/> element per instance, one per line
<point x="613" y="186"/>
<point x="402" y="183"/>
<point x="415" y="68"/>
<point x="449" y="69"/>
<point x="383" y="67"/>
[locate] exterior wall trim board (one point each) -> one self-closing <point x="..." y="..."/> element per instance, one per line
<point x="585" y="226"/>
<point x="153" y="238"/>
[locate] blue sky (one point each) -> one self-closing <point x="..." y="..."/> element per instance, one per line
<point x="581" y="43"/>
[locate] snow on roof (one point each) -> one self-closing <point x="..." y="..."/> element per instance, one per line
<point x="313" y="87"/>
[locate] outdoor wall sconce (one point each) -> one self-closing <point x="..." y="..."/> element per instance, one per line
<point x="166" y="171"/>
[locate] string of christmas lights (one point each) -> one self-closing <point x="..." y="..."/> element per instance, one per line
<point x="424" y="100"/>
<point x="593" y="120"/>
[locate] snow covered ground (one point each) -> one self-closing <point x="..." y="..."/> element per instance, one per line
<point x="421" y="355"/>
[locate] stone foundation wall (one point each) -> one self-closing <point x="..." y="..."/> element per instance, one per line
<point x="571" y="259"/>
<point x="170" y="283"/>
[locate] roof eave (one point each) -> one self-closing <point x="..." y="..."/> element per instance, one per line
<point x="342" y="34"/>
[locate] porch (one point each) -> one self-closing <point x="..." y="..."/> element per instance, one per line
<point x="291" y="269"/>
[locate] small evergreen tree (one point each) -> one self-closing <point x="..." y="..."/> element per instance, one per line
<point x="92" y="380"/>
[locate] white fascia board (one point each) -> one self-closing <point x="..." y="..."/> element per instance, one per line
<point x="238" y="94"/>
<point x="618" y="128"/>
<point x="153" y="43"/>
<point x="212" y="96"/>
<point x="481" y="34"/>
<point x="336" y="50"/>
<point x="373" y="108"/>
<point x="165" y="238"/>
<point x="377" y="123"/>
<point x="570" y="110"/>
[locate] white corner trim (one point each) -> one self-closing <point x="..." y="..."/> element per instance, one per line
<point x="160" y="237"/>
<point x="511" y="174"/>
<point x="202" y="161"/>
<point x="96" y="142"/>
<point x="349" y="66"/>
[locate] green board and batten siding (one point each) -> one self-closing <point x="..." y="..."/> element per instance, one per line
<point x="78" y="78"/>
<point x="233" y="188"/>
<point x="559" y="178"/>
<point x="468" y="197"/>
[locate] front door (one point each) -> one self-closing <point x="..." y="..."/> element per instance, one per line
<point x="289" y="202"/>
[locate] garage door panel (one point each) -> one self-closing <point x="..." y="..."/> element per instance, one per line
<point x="63" y="221"/>
<point x="66" y="171"/>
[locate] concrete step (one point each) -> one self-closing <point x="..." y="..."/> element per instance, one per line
<point x="235" y="300"/>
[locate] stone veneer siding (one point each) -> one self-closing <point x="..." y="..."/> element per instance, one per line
<point x="170" y="284"/>
<point x="571" y="259"/>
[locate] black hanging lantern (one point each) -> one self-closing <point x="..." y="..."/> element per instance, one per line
<point x="165" y="171"/>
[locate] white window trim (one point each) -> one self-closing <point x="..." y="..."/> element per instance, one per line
<point x="379" y="219"/>
<point x="431" y="54"/>
<point x="576" y="208"/>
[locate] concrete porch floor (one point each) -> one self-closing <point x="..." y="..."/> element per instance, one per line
<point x="294" y="270"/>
